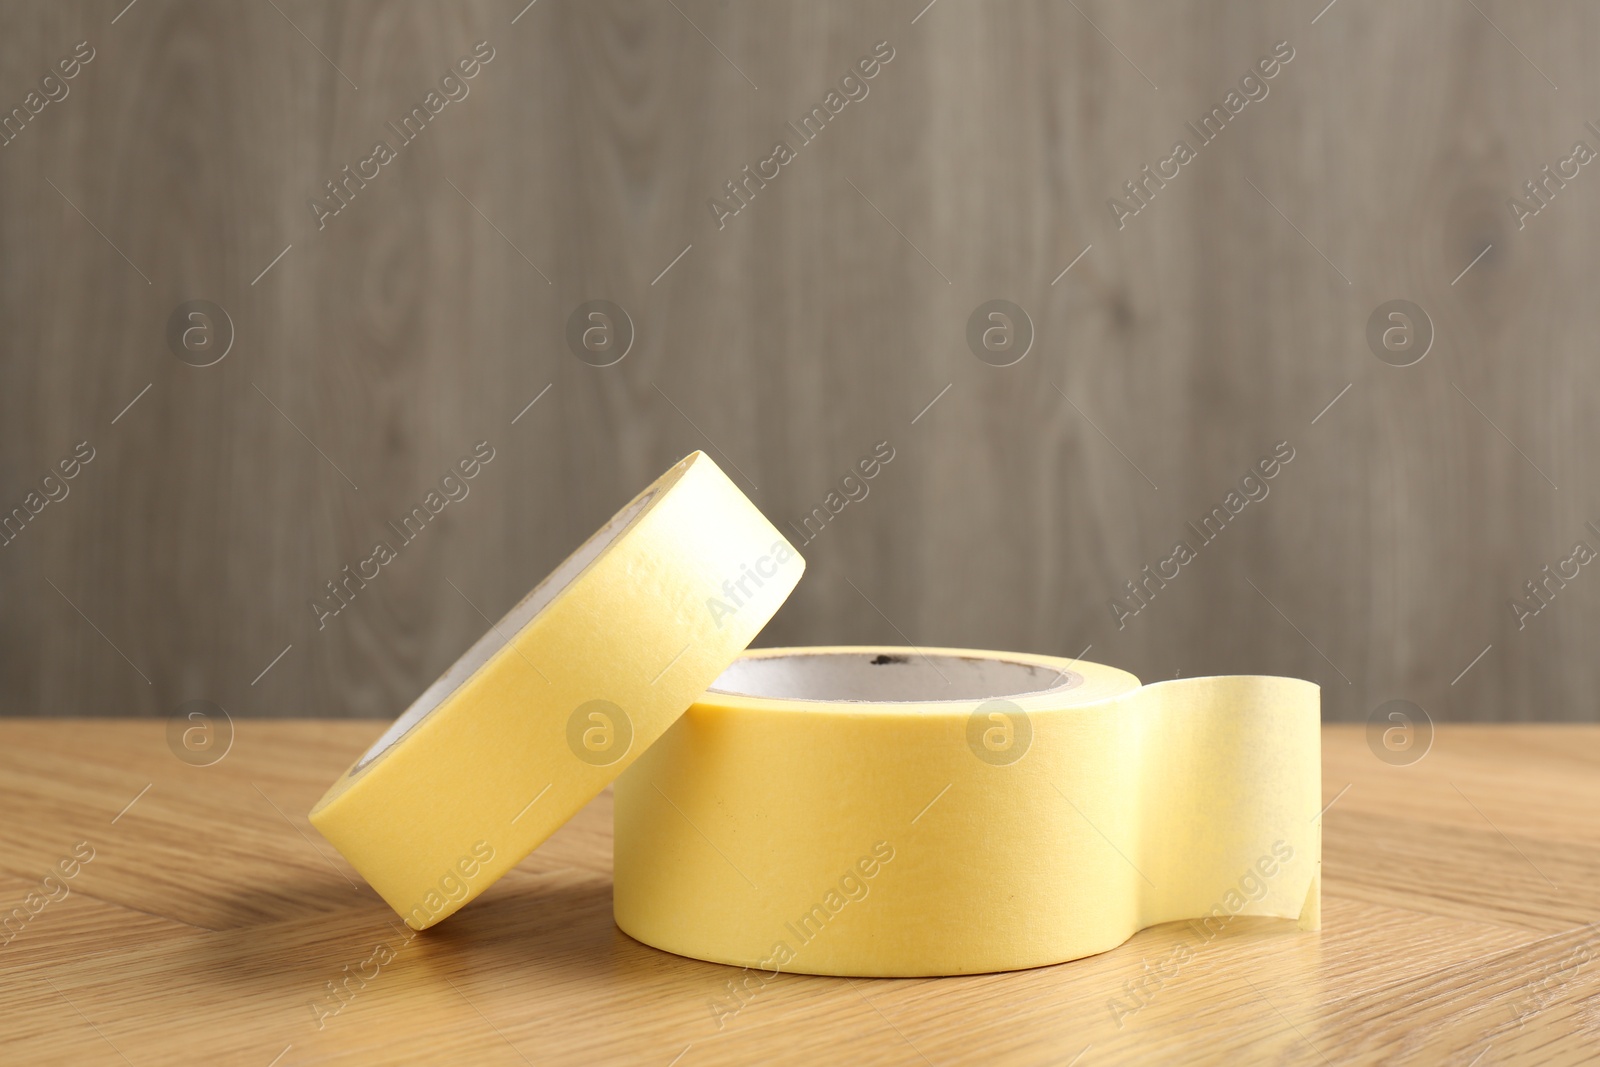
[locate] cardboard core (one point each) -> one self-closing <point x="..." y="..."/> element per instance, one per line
<point x="889" y="676"/>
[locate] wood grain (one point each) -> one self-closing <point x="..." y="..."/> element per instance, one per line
<point x="1459" y="896"/>
<point x="822" y="319"/>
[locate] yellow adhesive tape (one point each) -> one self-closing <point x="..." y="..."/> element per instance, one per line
<point x="901" y="812"/>
<point x="562" y="694"/>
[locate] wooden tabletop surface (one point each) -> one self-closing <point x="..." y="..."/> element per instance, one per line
<point x="1459" y="895"/>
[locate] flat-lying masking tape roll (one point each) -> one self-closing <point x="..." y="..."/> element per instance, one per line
<point x="898" y="812"/>
<point x="561" y="695"/>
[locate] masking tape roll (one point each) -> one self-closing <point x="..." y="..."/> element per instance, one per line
<point x="561" y="695"/>
<point x="894" y="812"/>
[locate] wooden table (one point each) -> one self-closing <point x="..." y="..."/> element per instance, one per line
<point x="1459" y="895"/>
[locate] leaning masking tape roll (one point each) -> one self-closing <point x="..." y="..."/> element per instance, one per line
<point x="561" y="695"/>
<point x="899" y="812"/>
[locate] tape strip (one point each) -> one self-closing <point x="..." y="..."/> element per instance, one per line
<point x="900" y="812"/>
<point x="562" y="694"/>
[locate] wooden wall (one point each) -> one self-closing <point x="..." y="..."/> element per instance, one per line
<point x="823" y="318"/>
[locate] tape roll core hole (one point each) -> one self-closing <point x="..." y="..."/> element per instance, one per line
<point x="898" y="676"/>
<point x="514" y="620"/>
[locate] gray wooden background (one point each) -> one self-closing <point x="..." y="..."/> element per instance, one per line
<point x="823" y="318"/>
